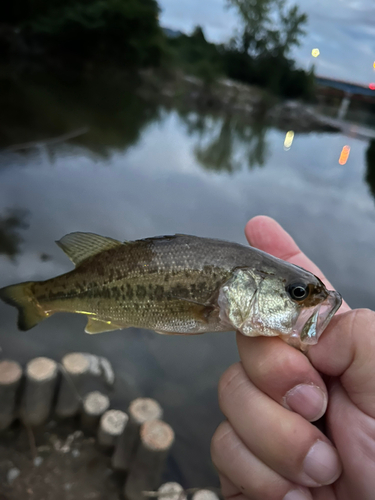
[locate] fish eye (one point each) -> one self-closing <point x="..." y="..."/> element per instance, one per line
<point x="298" y="291"/>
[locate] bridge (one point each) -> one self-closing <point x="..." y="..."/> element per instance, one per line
<point x="347" y="91"/>
<point x="339" y="87"/>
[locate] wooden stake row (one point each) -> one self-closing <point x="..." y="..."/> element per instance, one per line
<point x="140" y="440"/>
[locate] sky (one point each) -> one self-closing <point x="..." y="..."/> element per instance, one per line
<point x="343" y="30"/>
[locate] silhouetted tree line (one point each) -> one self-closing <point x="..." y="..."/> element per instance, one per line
<point x="128" y="32"/>
<point x="208" y="61"/>
<point x="123" y="31"/>
<point x="257" y="54"/>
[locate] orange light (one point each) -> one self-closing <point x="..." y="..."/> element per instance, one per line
<point x="373" y="65"/>
<point x="344" y="155"/>
<point x="371" y="86"/>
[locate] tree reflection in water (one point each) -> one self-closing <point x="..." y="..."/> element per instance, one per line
<point x="11" y="223"/>
<point x="370" y="163"/>
<point x="42" y="108"/>
<point x="226" y="144"/>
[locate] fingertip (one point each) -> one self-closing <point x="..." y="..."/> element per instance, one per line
<point x="257" y="226"/>
<point x="283" y="373"/>
<point x="266" y="234"/>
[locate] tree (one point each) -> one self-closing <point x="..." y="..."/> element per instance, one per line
<point x="269" y="27"/>
<point x="370" y="162"/>
<point x="125" y="31"/>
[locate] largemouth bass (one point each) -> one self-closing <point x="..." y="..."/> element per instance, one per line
<point x="179" y="285"/>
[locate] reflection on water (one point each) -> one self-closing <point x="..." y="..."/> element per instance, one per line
<point x="143" y="170"/>
<point x="227" y="143"/>
<point x="370" y="162"/>
<point x="34" y="111"/>
<point x="10" y="225"/>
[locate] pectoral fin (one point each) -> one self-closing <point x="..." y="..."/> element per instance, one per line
<point x="201" y="311"/>
<point x="95" y="325"/>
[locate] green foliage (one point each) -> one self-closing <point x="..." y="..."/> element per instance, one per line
<point x="275" y="73"/>
<point x="195" y="55"/>
<point x="267" y="27"/>
<point x="126" y="31"/>
<point x="258" y="53"/>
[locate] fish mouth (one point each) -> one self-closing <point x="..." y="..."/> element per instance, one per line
<point x="310" y="325"/>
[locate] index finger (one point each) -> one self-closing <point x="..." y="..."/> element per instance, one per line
<point x="266" y="234"/>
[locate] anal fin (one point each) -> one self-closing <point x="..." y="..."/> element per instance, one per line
<point x="178" y="333"/>
<point x="95" y="325"/>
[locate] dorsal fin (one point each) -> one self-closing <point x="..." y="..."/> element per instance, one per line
<point x="80" y="246"/>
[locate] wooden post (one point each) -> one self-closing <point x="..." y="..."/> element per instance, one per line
<point x="156" y="438"/>
<point x="205" y="495"/>
<point x="10" y="378"/>
<point x="141" y="410"/>
<point x="94" y="405"/>
<point x="41" y="377"/>
<point x="111" y="426"/>
<point x="100" y="367"/>
<point x="171" y="491"/>
<point x="75" y="370"/>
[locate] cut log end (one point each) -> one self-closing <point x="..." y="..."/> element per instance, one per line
<point x="171" y="491"/>
<point x="113" y="422"/>
<point x="76" y="363"/>
<point x="205" y="495"/>
<point x="157" y="435"/>
<point x="95" y="403"/>
<point x="142" y="410"/>
<point x="41" y="369"/>
<point x="10" y="372"/>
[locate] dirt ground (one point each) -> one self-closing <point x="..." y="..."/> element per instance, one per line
<point x="57" y="462"/>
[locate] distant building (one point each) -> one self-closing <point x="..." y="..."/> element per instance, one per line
<point x="330" y="87"/>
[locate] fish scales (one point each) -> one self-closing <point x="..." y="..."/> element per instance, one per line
<point x="179" y="284"/>
<point x="142" y="282"/>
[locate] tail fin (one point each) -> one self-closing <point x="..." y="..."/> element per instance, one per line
<point x="21" y="296"/>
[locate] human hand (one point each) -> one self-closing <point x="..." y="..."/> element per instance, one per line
<point x="268" y="449"/>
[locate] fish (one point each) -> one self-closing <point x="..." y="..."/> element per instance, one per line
<point x="179" y="284"/>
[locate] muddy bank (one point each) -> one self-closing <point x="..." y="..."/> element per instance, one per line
<point x="58" y="462"/>
<point x="230" y="97"/>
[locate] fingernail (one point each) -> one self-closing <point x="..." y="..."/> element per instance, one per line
<point x="297" y="495"/>
<point x="322" y="463"/>
<point x="307" y="400"/>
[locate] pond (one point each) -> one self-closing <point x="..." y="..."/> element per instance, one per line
<point x="143" y="169"/>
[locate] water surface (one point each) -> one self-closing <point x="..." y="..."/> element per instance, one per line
<point x="143" y="170"/>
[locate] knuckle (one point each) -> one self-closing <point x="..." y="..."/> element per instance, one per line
<point x="219" y="442"/>
<point x="290" y="365"/>
<point x="263" y="490"/>
<point x="364" y="317"/>
<point x="231" y="379"/>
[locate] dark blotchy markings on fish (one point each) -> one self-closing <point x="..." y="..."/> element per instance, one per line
<point x="172" y="284"/>
<point x="144" y="283"/>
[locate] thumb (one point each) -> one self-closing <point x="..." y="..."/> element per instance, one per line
<point x="347" y="350"/>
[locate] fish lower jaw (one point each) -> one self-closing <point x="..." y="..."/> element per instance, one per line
<point x="258" y="330"/>
<point x="249" y="328"/>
